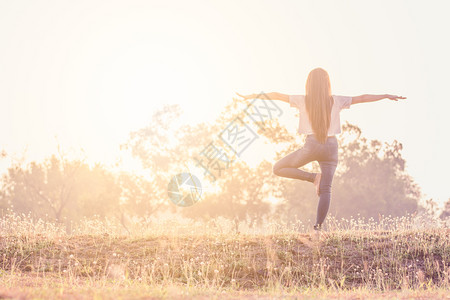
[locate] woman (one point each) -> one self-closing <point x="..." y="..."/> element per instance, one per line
<point x="319" y="120"/>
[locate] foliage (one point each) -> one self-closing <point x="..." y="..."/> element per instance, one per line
<point x="372" y="178"/>
<point x="59" y="189"/>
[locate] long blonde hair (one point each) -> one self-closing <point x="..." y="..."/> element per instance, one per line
<point x="318" y="101"/>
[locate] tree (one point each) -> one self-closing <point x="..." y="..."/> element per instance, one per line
<point x="138" y="197"/>
<point x="58" y="189"/>
<point x="372" y="179"/>
<point x="163" y="148"/>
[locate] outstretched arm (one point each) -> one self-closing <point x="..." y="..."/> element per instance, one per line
<point x="271" y="96"/>
<point x="370" y="98"/>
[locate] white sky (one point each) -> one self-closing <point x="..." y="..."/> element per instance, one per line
<point x="89" y="72"/>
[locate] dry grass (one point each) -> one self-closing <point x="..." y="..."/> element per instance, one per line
<point x="392" y="258"/>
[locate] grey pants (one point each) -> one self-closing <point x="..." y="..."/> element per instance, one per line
<point x="327" y="156"/>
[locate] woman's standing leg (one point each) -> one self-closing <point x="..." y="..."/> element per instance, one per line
<point x="288" y="165"/>
<point x="328" y="167"/>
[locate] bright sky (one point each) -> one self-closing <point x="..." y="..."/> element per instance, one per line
<point x="89" y="72"/>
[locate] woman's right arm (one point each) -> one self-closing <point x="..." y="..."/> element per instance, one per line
<point x="371" y="98"/>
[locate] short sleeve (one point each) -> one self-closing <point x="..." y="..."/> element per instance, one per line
<point x="294" y="100"/>
<point x="345" y="101"/>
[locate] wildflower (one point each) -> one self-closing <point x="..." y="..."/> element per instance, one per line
<point x="216" y="271"/>
<point x="71" y="256"/>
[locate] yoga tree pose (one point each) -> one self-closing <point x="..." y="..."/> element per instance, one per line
<point x="319" y="120"/>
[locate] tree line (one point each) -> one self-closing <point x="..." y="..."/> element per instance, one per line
<point x="370" y="179"/>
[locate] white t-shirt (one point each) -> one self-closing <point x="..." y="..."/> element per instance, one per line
<point x="304" y="126"/>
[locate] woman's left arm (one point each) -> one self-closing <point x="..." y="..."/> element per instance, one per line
<point x="270" y="96"/>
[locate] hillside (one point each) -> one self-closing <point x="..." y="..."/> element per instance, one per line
<point x="371" y="260"/>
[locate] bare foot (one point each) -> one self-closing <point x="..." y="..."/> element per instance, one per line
<point x="317" y="182"/>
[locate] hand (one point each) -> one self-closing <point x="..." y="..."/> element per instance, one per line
<point x="252" y="96"/>
<point x="394" y="97"/>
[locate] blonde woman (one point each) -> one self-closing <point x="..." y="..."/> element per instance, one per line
<point x="319" y="120"/>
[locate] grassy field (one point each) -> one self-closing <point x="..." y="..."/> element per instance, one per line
<point x="352" y="260"/>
